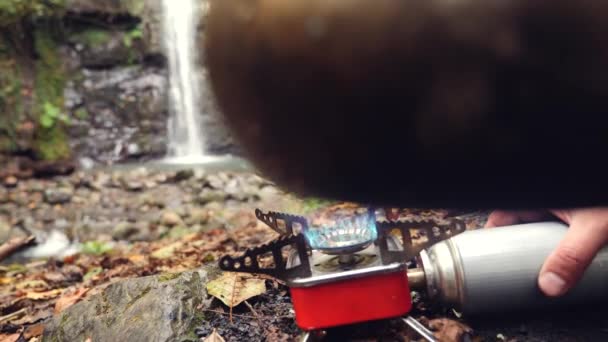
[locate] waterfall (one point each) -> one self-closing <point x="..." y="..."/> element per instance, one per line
<point x="181" y="19"/>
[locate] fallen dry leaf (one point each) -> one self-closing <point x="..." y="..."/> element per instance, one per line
<point x="69" y="299"/>
<point x="32" y="284"/>
<point x="234" y="288"/>
<point x="137" y="259"/>
<point x="38" y="316"/>
<point x="167" y="251"/>
<point x="9" y="337"/>
<point x="214" y="337"/>
<point x="43" y="295"/>
<point x="34" y="331"/>
<point x="54" y="277"/>
<point x="6" y="280"/>
<point x="448" y="330"/>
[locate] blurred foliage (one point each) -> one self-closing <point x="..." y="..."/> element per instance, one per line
<point x="51" y="140"/>
<point x="26" y="43"/>
<point x="95" y="248"/>
<point x="12" y="12"/>
<point x="134" y="34"/>
<point x="92" y="37"/>
<point x="10" y="96"/>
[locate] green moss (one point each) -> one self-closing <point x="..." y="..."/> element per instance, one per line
<point x="168" y="277"/>
<point x="51" y="140"/>
<point x="135" y="7"/>
<point x="81" y="114"/>
<point x="10" y="96"/>
<point x="138" y="297"/>
<point x="93" y="37"/>
<point x="14" y="11"/>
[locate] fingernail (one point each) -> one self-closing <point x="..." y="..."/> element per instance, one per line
<point x="552" y="284"/>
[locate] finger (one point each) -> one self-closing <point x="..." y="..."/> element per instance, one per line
<point x="501" y="218"/>
<point x="567" y="263"/>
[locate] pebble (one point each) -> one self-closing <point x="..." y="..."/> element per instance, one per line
<point x="58" y="196"/>
<point x="198" y="216"/>
<point x="208" y="195"/>
<point x="124" y="231"/>
<point x="131" y="205"/>
<point x="11" y="181"/>
<point x="4" y="196"/>
<point x="170" y="219"/>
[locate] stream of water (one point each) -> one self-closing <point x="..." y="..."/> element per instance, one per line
<point x="186" y="138"/>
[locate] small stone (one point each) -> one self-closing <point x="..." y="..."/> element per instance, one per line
<point x="183" y="175"/>
<point x="4" y="196"/>
<point x="150" y="184"/>
<point x="198" y="216"/>
<point x="215" y="182"/>
<point x="170" y="219"/>
<point x="11" y="181"/>
<point x="209" y="195"/>
<point x="86" y="163"/>
<point x="133" y="150"/>
<point x="58" y="196"/>
<point x="134" y="185"/>
<point x="123" y="231"/>
<point x="5" y="231"/>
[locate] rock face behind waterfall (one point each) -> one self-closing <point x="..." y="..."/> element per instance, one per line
<point x="112" y="86"/>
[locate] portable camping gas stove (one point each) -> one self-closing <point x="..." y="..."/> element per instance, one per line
<point x="351" y="271"/>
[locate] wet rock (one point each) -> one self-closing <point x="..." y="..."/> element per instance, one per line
<point x="154" y="308"/>
<point x="171" y="219"/>
<point x="5" y="231"/>
<point x="215" y="181"/>
<point x="133" y="185"/>
<point x="4" y="195"/>
<point x="131" y="7"/>
<point x="10" y="181"/>
<point x="198" y="216"/>
<point x="209" y="195"/>
<point x="99" y="48"/>
<point x="183" y="175"/>
<point x="58" y="195"/>
<point x="130" y="110"/>
<point x="124" y="230"/>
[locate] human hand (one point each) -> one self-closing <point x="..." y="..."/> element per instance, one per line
<point x="565" y="266"/>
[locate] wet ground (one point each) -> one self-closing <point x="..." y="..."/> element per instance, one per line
<point x="135" y="206"/>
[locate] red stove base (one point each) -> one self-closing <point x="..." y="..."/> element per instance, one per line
<point x="352" y="301"/>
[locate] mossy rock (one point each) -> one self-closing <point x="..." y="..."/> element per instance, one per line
<point x="132" y="7"/>
<point x="15" y="11"/>
<point x="154" y="308"/>
<point x="51" y="141"/>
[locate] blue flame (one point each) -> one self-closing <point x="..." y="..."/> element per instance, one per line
<point x="346" y="233"/>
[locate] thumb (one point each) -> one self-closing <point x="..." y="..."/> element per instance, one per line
<point x="566" y="265"/>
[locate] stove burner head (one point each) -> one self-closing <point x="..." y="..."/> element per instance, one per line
<point x="345" y="236"/>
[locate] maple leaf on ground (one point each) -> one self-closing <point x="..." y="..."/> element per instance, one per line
<point x="69" y="299"/>
<point x="9" y="337"/>
<point x="43" y="295"/>
<point x="34" y="331"/>
<point x="214" y="337"/>
<point x="234" y="288"/>
<point x="449" y="330"/>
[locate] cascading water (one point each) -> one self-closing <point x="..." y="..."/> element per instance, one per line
<point x="181" y="19"/>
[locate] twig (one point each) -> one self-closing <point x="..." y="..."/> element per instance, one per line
<point x="242" y="316"/>
<point x="232" y="298"/>
<point x="12" y="315"/>
<point x="255" y="314"/>
<point x="14" y="245"/>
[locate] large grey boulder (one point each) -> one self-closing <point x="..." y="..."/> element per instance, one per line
<point x="158" y="308"/>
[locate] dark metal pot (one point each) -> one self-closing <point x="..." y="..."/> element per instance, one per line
<point x="464" y="103"/>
